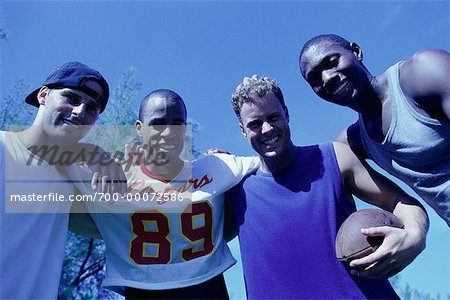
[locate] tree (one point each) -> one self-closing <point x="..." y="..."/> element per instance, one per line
<point x="83" y="270"/>
<point x="14" y="109"/>
<point x="120" y="109"/>
<point x="406" y="292"/>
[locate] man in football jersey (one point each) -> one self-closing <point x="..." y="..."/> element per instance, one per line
<point x="171" y="245"/>
<point x="34" y="194"/>
<point x="404" y="113"/>
<point x="289" y="210"/>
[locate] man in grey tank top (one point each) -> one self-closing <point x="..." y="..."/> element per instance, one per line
<point x="404" y="113"/>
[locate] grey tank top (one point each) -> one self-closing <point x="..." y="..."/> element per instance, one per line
<point x="416" y="149"/>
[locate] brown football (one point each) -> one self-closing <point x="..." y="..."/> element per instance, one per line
<point x="351" y="243"/>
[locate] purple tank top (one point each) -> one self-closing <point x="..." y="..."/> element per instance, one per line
<point x="287" y="226"/>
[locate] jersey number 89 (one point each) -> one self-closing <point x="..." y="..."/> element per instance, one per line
<point x="159" y="236"/>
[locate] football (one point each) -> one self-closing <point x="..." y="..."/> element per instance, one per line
<point x="351" y="243"/>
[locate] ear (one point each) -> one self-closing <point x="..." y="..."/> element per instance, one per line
<point x="138" y="125"/>
<point x="42" y="95"/>
<point x="244" y="133"/>
<point x="286" y="112"/>
<point x="357" y="51"/>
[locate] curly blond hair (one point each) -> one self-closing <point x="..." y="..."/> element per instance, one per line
<point x="252" y="87"/>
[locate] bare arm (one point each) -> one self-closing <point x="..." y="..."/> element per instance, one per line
<point x="424" y="78"/>
<point x="400" y="246"/>
<point x="351" y="136"/>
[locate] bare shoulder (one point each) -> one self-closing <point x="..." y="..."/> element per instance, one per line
<point x="430" y="59"/>
<point x="425" y="72"/>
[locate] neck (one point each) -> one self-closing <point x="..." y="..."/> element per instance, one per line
<point x="166" y="171"/>
<point x="374" y="96"/>
<point x="35" y="137"/>
<point x="278" y="163"/>
<point x="35" y="134"/>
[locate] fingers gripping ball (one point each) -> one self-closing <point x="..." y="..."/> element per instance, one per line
<point x="352" y="244"/>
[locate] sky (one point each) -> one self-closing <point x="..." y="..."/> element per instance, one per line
<point x="203" y="49"/>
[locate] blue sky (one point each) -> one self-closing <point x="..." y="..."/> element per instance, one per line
<point x="203" y="49"/>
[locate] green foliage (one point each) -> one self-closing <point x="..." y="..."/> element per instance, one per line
<point x="83" y="269"/>
<point x="190" y="150"/>
<point x="120" y="109"/>
<point x="406" y="292"/>
<point x="14" y="109"/>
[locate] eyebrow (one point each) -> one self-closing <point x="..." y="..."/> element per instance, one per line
<point x="156" y="120"/>
<point x="81" y="98"/>
<point x="164" y="120"/>
<point x="252" y="122"/>
<point x="323" y="61"/>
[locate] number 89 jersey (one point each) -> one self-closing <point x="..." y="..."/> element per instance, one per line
<point x="165" y="243"/>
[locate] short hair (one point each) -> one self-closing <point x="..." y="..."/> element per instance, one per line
<point x="332" y="39"/>
<point x="251" y="87"/>
<point x="163" y="93"/>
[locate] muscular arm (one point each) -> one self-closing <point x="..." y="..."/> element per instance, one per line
<point x="351" y="136"/>
<point x="424" y="78"/>
<point x="400" y="245"/>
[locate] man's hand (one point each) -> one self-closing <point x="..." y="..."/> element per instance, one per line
<point x="215" y="150"/>
<point x="108" y="176"/>
<point x="399" y="248"/>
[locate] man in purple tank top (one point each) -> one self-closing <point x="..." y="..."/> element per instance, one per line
<point x="289" y="210"/>
<point x="404" y="113"/>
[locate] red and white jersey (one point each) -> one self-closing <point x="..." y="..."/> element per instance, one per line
<point x="173" y="236"/>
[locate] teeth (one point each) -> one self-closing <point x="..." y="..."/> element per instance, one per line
<point x="339" y="88"/>
<point x="68" y="122"/>
<point x="167" y="147"/>
<point x="271" y="141"/>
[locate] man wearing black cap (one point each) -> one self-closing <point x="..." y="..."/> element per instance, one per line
<point x="34" y="184"/>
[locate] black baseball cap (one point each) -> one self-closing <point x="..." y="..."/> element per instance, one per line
<point x="74" y="75"/>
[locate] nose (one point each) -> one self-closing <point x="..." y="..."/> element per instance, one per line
<point x="329" y="77"/>
<point x="166" y="130"/>
<point x="79" y="110"/>
<point x="266" y="127"/>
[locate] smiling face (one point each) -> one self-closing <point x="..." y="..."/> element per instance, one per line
<point x="334" y="73"/>
<point x="163" y="127"/>
<point x="67" y="114"/>
<point x="265" y="124"/>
